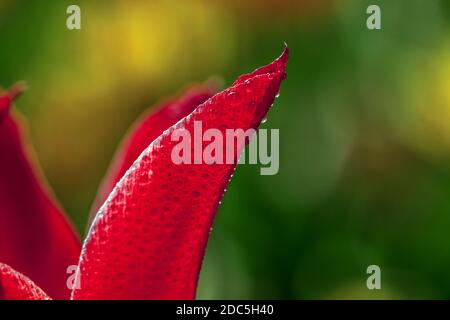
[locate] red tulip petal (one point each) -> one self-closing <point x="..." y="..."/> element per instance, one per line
<point x="148" y="239"/>
<point x="15" y="286"/>
<point x="144" y="131"/>
<point x="275" y="66"/>
<point x="35" y="237"/>
<point x="5" y="102"/>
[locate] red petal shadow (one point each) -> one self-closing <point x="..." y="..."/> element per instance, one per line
<point x="149" y="238"/>
<point x="15" y="286"/>
<point x="35" y="237"/>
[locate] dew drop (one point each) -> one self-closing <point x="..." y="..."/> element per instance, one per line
<point x="264" y="120"/>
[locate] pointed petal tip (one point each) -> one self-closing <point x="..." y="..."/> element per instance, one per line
<point x="278" y="66"/>
<point x="9" y="96"/>
<point x="17" y="89"/>
<point x="283" y="58"/>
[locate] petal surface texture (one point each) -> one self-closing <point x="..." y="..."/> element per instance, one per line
<point x="35" y="237"/>
<point x="149" y="237"/>
<point x="16" y="286"/>
<point x="144" y="131"/>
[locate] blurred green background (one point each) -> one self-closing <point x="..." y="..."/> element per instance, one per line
<point x="364" y="121"/>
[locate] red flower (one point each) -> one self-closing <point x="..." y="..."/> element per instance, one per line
<point x="148" y="239"/>
<point x="35" y="237"/>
